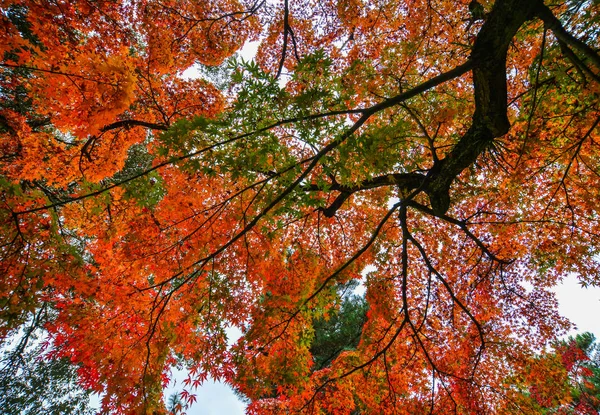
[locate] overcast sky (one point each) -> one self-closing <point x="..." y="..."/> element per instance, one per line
<point x="580" y="305"/>
<point x="212" y="399"/>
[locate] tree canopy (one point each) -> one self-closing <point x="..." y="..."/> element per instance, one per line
<point x="580" y="356"/>
<point x="33" y="381"/>
<point x="441" y="154"/>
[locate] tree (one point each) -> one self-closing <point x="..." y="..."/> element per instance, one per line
<point x="175" y="404"/>
<point x="339" y="331"/>
<point x="563" y="380"/>
<point x="448" y="148"/>
<point x="34" y="383"/>
<point x="580" y="356"/>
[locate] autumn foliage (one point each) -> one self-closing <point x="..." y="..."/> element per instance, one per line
<point x="443" y="154"/>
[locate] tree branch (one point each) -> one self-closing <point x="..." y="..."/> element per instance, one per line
<point x="545" y="14"/>
<point x="134" y="123"/>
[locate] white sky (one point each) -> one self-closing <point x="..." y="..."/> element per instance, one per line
<point x="213" y="398"/>
<point x="580" y="305"/>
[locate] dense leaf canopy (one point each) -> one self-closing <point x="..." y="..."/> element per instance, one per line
<point x="442" y="154"/>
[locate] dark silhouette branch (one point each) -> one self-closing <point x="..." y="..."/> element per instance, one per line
<point x="134" y="123"/>
<point x="286" y="31"/>
<point x="545" y="14"/>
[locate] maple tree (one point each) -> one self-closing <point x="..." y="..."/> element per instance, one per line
<point x="565" y="379"/>
<point x="580" y="356"/>
<point x="444" y="154"/>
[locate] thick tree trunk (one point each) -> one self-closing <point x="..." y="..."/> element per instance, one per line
<point x="490" y="119"/>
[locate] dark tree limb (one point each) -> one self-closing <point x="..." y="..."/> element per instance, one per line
<point x="577" y="62"/>
<point x="490" y="119"/>
<point x="407" y="181"/>
<point x="287" y="32"/>
<point x="134" y="123"/>
<point x="545" y="14"/>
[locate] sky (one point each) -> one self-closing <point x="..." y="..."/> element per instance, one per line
<point x="213" y="398"/>
<point x="580" y="305"/>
